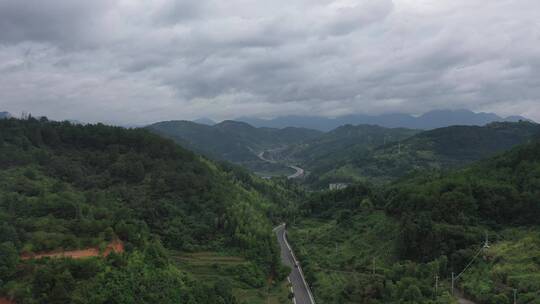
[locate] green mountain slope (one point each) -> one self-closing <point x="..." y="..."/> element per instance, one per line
<point x="443" y="148"/>
<point x="345" y="141"/>
<point x="232" y="141"/>
<point x="338" y="148"/>
<point x="65" y="187"/>
<point x="386" y="245"/>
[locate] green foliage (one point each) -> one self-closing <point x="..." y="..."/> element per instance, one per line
<point x="9" y="259"/>
<point x="329" y="156"/>
<point x="426" y="225"/>
<point x="233" y="141"/>
<point x="243" y="275"/>
<point x="65" y="186"/>
<point x="352" y="154"/>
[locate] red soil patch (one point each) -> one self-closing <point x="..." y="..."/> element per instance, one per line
<point x="115" y="246"/>
<point x="6" y="301"/>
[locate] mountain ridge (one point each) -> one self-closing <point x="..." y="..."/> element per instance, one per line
<point x="234" y="141"/>
<point x="427" y="121"/>
<point x="442" y="148"/>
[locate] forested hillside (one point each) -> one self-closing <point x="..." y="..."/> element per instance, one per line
<point x="367" y="244"/>
<point x="349" y="153"/>
<point x="444" y="148"/>
<point x="338" y="148"/>
<point x="233" y="141"/>
<point x="65" y="187"/>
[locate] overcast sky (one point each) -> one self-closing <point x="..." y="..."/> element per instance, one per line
<point x="140" y="61"/>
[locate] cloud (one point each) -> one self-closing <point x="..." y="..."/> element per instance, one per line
<point x="141" y="61"/>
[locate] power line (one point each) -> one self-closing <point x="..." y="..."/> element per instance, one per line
<point x="470" y="263"/>
<point x="484" y="246"/>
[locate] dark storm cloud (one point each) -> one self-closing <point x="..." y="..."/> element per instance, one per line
<point x="57" y="21"/>
<point x="141" y="61"/>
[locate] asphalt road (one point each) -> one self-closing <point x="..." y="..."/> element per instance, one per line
<point x="299" y="172"/>
<point x="302" y="294"/>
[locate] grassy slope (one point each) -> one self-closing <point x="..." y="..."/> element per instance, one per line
<point x="511" y="262"/>
<point x="359" y="240"/>
<point x="438" y="221"/>
<point x="215" y="266"/>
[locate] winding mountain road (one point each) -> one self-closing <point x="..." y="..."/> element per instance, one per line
<point x="299" y="171"/>
<point x="302" y="293"/>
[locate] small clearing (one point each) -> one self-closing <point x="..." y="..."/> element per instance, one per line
<point x="115" y="246"/>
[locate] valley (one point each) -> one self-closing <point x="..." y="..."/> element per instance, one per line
<point x="347" y="154"/>
<point x="407" y="209"/>
<point x="270" y="152"/>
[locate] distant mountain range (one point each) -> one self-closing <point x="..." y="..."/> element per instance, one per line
<point x="427" y="121"/>
<point x="5" y="115"/>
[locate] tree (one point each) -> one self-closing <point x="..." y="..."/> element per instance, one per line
<point x="9" y="257"/>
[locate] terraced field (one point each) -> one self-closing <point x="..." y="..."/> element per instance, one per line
<point x="214" y="267"/>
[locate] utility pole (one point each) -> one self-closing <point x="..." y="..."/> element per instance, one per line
<point x="452" y="283"/>
<point x="486" y="242"/>
<point x="436" y="286"/>
<point x="515" y="296"/>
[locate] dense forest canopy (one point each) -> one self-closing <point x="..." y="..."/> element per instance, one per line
<point x="397" y="154"/>
<point x="425" y="225"/>
<point x="66" y="186"/>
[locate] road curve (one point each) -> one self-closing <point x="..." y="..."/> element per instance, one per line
<point x="302" y="293"/>
<point x="299" y="171"/>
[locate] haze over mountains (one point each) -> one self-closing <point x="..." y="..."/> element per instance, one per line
<point x="430" y="120"/>
<point x="5" y="115"/>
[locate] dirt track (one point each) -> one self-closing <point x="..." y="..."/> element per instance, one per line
<point x="6" y="301"/>
<point x="115" y="246"/>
